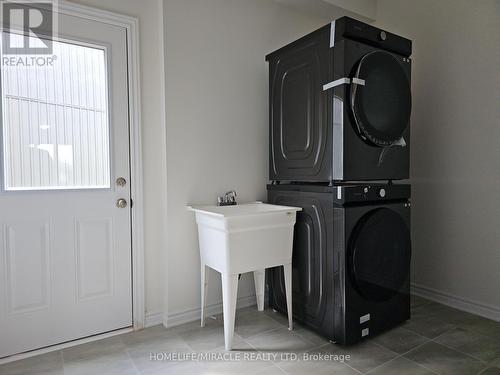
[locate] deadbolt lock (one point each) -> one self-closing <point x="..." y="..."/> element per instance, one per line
<point x="120" y="181"/>
<point x="121" y="203"/>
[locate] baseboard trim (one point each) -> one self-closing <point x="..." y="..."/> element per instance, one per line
<point x="464" y="304"/>
<point x="153" y="318"/>
<point x="187" y="316"/>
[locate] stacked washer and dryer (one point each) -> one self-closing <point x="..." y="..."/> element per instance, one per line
<point x="340" y="106"/>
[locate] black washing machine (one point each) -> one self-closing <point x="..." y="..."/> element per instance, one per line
<point x="340" y="104"/>
<point x="351" y="258"/>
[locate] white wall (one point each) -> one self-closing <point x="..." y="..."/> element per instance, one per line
<point x="217" y="119"/>
<point x="149" y="13"/>
<point x="455" y="161"/>
<point x="364" y="10"/>
<point x="217" y="131"/>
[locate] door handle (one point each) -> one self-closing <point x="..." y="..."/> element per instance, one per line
<point x="121" y="203"/>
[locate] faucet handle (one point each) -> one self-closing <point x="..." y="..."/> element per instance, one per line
<point x="228" y="199"/>
<point x="231" y="193"/>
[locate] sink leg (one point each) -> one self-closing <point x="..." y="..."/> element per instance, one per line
<point x="229" y="293"/>
<point x="287" y="269"/>
<point x="259" y="278"/>
<point x="204" y="286"/>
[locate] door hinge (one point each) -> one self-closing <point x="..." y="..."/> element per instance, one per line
<point x="131" y="203"/>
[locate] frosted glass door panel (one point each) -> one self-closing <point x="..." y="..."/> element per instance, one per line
<point x="55" y="121"/>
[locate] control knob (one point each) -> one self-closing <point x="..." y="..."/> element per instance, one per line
<point x="381" y="193"/>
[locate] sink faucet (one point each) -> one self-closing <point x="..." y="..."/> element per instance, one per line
<point x="228" y="199"/>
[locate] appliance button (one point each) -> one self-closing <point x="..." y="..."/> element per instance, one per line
<point x="381" y="193"/>
<point x="365" y="190"/>
<point x="382" y="35"/>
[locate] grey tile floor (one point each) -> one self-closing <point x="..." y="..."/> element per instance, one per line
<point x="437" y="340"/>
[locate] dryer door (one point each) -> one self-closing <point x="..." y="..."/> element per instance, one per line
<point x="381" y="106"/>
<point x="379" y="254"/>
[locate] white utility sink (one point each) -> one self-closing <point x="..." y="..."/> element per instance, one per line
<point x="244" y="238"/>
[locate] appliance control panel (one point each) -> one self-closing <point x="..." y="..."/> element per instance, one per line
<point x="371" y="193"/>
<point x="349" y="28"/>
<point x="355" y="192"/>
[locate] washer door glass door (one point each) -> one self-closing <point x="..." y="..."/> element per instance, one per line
<point x="379" y="254"/>
<point x="382" y="105"/>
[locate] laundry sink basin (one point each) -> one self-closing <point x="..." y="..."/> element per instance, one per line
<point x="245" y="237"/>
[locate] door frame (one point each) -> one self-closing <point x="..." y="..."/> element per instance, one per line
<point x="131" y="26"/>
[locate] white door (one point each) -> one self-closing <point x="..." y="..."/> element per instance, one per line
<point x="65" y="245"/>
